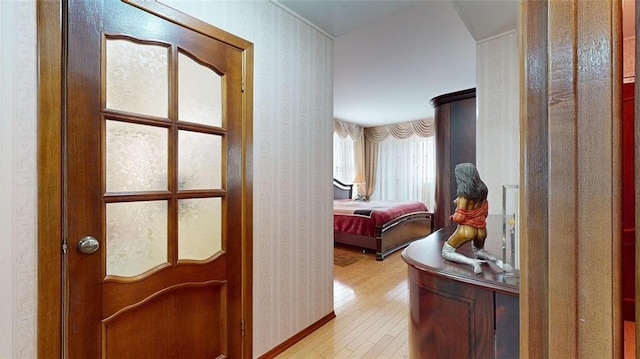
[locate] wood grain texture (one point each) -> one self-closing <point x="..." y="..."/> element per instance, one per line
<point x="617" y="75"/>
<point x="49" y="179"/>
<point x="629" y="339"/>
<point x="51" y="340"/>
<point x="455" y="123"/>
<point x="449" y="319"/>
<point x="562" y="179"/>
<point x="456" y="313"/>
<point x="598" y="156"/>
<point x="443" y="159"/>
<point x="247" y="201"/>
<point x="391" y="237"/>
<point x="533" y="206"/>
<point x="426" y="255"/>
<point x="571" y="141"/>
<point x="273" y="353"/>
<point x="507" y="314"/>
<point x="186" y="335"/>
<point x="371" y="311"/>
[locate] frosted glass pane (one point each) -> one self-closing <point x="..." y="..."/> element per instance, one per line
<point x="136" y="158"/>
<point x="199" y="228"/>
<point x="136" y="237"/>
<point x="200" y="93"/>
<point x="137" y="78"/>
<point x="199" y="161"/>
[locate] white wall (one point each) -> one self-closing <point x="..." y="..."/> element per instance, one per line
<point x="293" y="234"/>
<point x="18" y="179"/>
<point x="293" y="141"/>
<point x="629" y="59"/>
<point x="498" y="123"/>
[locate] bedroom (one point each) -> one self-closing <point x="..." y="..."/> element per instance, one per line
<point x="627" y="48"/>
<point x="374" y="104"/>
<point x="292" y="106"/>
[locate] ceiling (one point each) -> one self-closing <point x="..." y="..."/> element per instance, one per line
<point x="337" y="18"/>
<point x="391" y="57"/>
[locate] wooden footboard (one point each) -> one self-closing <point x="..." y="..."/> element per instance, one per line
<point x="392" y="236"/>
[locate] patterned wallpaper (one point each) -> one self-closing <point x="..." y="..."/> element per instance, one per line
<point x="498" y="126"/>
<point x="18" y="184"/>
<point x="292" y="162"/>
<point x="293" y="106"/>
<point x="293" y="141"/>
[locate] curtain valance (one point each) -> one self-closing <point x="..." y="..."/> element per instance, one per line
<point x="344" y="129"/>
<point x="422" y="128"/>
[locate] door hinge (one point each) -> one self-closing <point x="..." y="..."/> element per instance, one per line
<point x="242" y="327"/>
<point x="243" y="77"/>
<point x="65" y="247"/>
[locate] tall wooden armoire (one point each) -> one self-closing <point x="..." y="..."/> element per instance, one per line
<point x="455" y="123"/>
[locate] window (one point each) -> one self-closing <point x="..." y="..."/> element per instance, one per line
<point x="344" y="168"/>
<point x="406" y="170"/>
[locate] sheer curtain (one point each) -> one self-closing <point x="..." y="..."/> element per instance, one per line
<point x="406" y="170"/>
<point x="344" y="167"/>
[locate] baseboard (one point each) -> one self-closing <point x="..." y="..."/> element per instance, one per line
<point x="298" y="337"/>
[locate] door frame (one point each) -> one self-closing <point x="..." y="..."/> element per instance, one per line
<point x="570" y="88"/>
<point x="51" y="181"/>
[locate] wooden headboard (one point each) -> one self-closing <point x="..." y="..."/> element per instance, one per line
<point x="342" y="190"/>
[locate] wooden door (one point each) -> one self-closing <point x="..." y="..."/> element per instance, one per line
<point x="154" y="187"/>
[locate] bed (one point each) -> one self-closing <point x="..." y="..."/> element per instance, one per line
<point x="380" y="226"/>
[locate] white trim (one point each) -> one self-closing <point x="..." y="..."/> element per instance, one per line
<point x="299" y="17"/>
<point x="497" y="36"/>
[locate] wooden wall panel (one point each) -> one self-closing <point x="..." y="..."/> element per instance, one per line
<point x="534" y="290"/>
<point x="50" y="196"/>
<point x="599" y="118"/>
<point x="562" y="168"/>
<point x="571" y="117"/>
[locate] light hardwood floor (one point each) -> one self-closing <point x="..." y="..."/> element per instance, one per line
<point x="629" y="340"/>
<point x="372" y="311"/>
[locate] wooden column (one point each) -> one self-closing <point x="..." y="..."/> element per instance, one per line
<point x="571" y="156"/>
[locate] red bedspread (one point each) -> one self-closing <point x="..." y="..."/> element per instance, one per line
<point x="360" y="217"/>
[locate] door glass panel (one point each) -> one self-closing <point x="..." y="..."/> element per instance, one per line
<point x="199" y="228"/>
<point x="199" y="161"/>
<point x="136" y="237"/>
<point x="137" y="77"/>
<point x="200" y="93"/>
<point x="136" y="157"/>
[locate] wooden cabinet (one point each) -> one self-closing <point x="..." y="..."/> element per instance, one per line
<point x="455" y="123"/>
<point x="455" y="313"/>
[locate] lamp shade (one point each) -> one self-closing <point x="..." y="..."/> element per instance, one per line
<point x="359" y="178"/>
